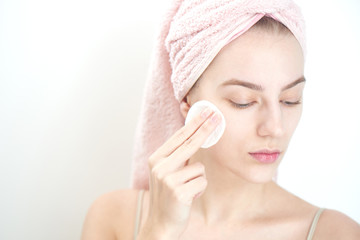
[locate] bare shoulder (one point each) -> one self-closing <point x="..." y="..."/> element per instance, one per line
<point x="111" y="216"/>
<point x="336" y="225"/>
<point x="332" y="224"/>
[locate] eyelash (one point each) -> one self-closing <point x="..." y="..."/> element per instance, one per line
<point x="243" y="106"/>
<point x="287" y="103"/>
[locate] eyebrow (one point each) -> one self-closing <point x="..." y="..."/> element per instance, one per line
<point x="256" y="87"/>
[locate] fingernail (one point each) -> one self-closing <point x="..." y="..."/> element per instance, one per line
<point x="206" y="113"/>
<point x="216" y="118"/>
<point x="197" y="195"/>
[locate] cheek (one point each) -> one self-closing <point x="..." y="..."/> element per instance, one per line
<point x="239" y="127"/>
<point x="238" y="138"/>
<point x="291" y="120"/>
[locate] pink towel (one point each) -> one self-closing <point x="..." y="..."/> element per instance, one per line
<point x="192" y="32"/>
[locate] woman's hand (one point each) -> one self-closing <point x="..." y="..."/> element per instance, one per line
<point x="173" y="183"/>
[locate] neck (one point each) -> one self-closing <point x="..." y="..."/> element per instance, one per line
<point x="228" y="197"/>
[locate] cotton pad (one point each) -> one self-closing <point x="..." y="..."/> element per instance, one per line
<point x="196" y="109"/>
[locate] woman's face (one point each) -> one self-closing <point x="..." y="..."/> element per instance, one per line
<point x="257" y="82"/>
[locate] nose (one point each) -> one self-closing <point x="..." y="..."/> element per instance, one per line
<point x="271" y="122"/>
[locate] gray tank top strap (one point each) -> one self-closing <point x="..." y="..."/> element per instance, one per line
<point x="314" y="223"/>
<point x="138" y="213"/>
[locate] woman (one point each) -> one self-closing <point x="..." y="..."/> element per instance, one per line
<point x="255" y="76"/>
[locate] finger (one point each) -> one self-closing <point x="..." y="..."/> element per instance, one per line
<point x="185" y="175"/>
<point x="182" y="134"/>
<point x="192" y="144"/>
<point x="188" y="191"/>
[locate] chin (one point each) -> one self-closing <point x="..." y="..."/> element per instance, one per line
<point x="254" y="174"/>
<point x="263" y="179"/>
<point x="261" y="173"/>
<point x="241" y="165"/>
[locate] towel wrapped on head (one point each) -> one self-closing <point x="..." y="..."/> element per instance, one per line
<point x="191" y="34"/>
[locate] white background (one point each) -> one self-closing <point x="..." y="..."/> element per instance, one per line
<point x="71" y="80"/>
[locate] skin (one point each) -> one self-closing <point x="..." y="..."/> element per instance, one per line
<point x="222" y="192"/>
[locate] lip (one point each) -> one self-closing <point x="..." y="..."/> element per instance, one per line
<point x="265" y="155"/>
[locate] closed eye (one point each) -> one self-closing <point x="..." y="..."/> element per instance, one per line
<point x="289" y="103"/>
<point x="242" y="105"/>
